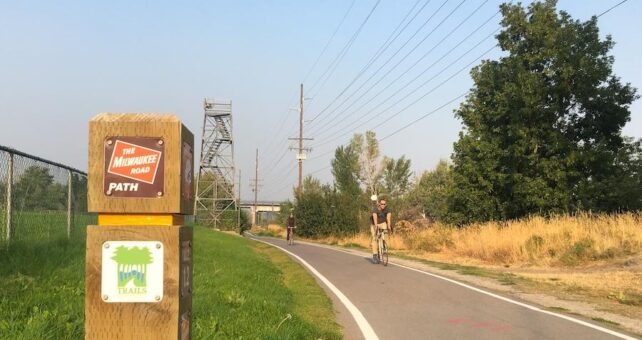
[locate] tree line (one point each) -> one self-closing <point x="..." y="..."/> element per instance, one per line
<point x="35" y="190"/>
<point x="541" y="135"/>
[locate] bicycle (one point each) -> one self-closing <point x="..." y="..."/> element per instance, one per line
<point x="382" y="250"/>
<point x="290" y="235"/>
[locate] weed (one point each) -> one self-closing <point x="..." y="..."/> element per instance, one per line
<point x="606" y="321"/>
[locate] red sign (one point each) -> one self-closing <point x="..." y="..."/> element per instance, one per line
<point x="134" y="162"/>
<point x="134" y="167"/>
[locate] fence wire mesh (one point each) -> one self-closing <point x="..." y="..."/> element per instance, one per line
<point x="40" y="200"/>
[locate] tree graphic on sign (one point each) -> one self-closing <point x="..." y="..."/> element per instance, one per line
<point x="132" y="265"/>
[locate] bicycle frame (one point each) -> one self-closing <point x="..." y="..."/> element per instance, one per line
<point x="382" y="247"/>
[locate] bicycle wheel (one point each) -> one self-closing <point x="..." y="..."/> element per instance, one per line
<point x="384" y="253"/>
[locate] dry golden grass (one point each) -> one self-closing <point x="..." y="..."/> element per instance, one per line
<point x="274" y="230"/>
<point x="619" y="284"/>
<point x="564" y="241"/>
<point x="558" y="241"/>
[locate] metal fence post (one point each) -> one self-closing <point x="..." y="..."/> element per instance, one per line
<point x="69" y="211"/>
<point x="9" y="196"/>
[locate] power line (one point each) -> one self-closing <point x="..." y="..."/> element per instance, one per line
<point x="396" y="52"/>
<point x="423" y="84"/>
<point x="422" y="117"/>
<point x="419" y="87"/>
<point x="345" y="49"/>
<point x="337" y="60"/>
<point x="329" y="40"/>
<point x="389" y="84"/>
<point x="396" y="131"/>
<point x="437" y="109"/>
<point x="278" y="131"/>
<point x="285" y="179"/>
<point x="285" y="116"/>
<point x="612" y="7"/>
<point x="450" y="33"/>
<point x="379" y="52"/>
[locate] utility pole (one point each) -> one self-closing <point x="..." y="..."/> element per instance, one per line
<point x="254" y="183"/>
<point x="300" y="139"/>
<point x="238" y="204"/>
<point x="301" y="150"/>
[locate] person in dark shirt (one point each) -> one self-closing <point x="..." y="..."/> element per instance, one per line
<point x="380" y="219"/>
<point x="290" y="228"/>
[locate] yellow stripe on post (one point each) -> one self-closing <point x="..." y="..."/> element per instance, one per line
<point x="140" y="219"/>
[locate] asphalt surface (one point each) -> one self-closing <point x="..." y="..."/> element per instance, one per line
<point x="400" y="303"/>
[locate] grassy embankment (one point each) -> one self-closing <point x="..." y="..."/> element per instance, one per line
<point x="242" y="289"/>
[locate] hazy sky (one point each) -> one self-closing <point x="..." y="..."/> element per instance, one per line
<point x="63" y="62"/>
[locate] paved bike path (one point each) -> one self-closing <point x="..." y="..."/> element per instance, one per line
<point x="400" y="303"/>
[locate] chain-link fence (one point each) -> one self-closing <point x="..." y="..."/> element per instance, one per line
<point x="40" y="200"/>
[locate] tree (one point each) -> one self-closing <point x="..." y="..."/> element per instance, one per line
<point x="3" y="192"/>
<point x="32" y="189"/>
<point x="346" y="170"/>
<point x="311" y="209"/>
<point x="396" y="176"/>
<point x="542" y="125"/>
<point x="432" y="191"/>
<point x="346" y="201"/>
<point x="79" y="192"/>
<point x="285" y="209"/>
<point x="369" y="159"/>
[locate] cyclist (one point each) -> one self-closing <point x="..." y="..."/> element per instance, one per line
<point x="290" y="225"/>
<point x="380" y="219"/>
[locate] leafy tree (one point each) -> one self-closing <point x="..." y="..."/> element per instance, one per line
<point x="3" y="191"/>
<point x="542" y="125"/>
<point x="396" y="176"/>
<point x="57" y="197"/>
<point x="346" y="201"/>
<point x="245" y="223"/>
<point x="284" y="212"/>
<point x="32" y="189"/>
<point x="310" y="209"/>
<point x="621" y="189"/>
<point x="321" y="210"/>
<point x="79" y="192"/>
<point x="346" y="170"/>
<point x="369" y="159"/>
<point x="432" y="191"/>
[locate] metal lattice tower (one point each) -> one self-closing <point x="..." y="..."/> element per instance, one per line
<point x="216" y="203"/>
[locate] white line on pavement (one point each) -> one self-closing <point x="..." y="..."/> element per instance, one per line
<point x="361" y="321"/>
<point x="583" y="323"/>
<point x="568" y="318"/>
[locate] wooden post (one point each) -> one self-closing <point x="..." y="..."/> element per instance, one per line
<point x="9" y="198"/>
<point x="138" y="270"/>
<point x="69" y="203"/>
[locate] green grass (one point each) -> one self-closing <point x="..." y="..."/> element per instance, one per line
<point x="42" y="295"/>
<point x="558" y="309"/>
<point x="242" y="289"/>
<point x="245" y="289"/>
<point x="43" y="226"/>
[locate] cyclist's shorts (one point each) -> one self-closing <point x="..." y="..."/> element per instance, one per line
<point x="383" y="225"/>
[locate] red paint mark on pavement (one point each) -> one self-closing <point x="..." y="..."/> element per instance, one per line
<point x="502" y="328"/>
<point x="482" y="325"/>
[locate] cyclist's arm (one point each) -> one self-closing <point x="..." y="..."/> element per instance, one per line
<point x="374" y="219"/>
<point x="389" y="218"/>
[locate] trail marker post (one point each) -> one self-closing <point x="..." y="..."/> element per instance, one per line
<point x="138" y="273"/>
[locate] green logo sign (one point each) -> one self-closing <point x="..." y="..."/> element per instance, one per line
<point x="132" y="269"/>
